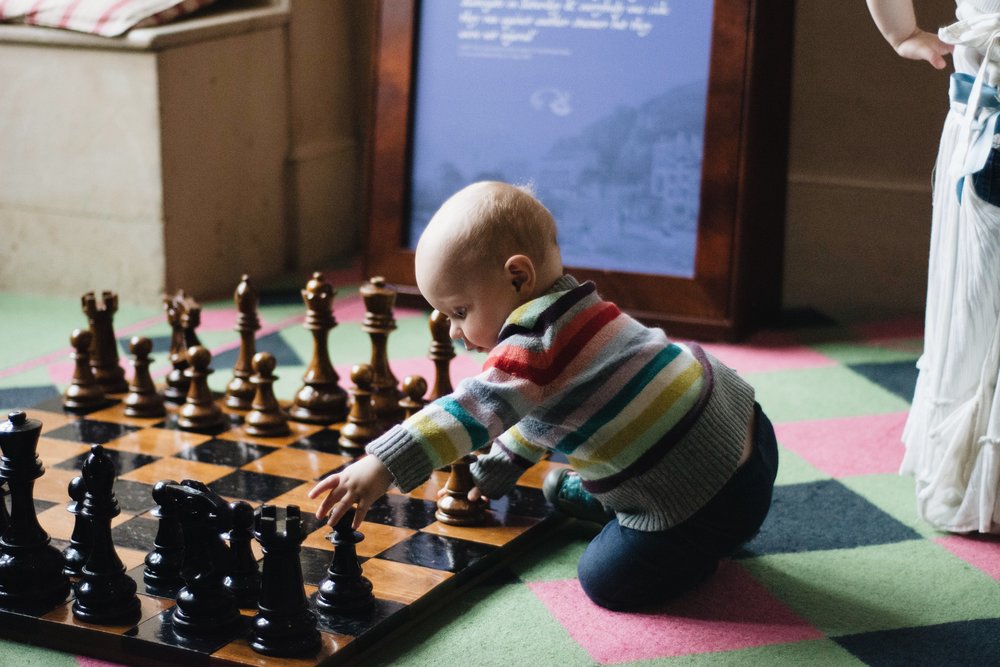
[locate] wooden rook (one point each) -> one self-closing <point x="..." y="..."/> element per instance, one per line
<point x="454" y="507"/>
<point x="184" y="317"/>
<point x="199" y="412"/>
<point x="31" y="569"/>
<point x="284" y="625"/>
<point x="379" y="322"/>
<point x="143" y="400"/>
<point x="362" y="425"/>
<point x="240" y="391"/>
<point x="321" y="400"/>
<point x="414" y="388"/>
<point x="105" y="595"/>
<point x="266" y="418"/>
<point x="345" y="590"/>
<point x="441" y="353"/>
<point x="104" y="346"/>
<point x="83" y="392"/>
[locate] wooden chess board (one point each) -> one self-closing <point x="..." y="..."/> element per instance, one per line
<point x="413" y="561"/>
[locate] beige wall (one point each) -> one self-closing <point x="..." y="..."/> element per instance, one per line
<point x="864" y="132"/>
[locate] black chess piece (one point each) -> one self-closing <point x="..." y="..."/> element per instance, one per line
<point x="362" y="424"/>
<point x="142" y="400"/>
<point x="4" y="515"/>
<point x="83" y="393"/>
<point x="243" y="579"/>
<point x="284" y="626"/>
<point x="162" y="571"/>
<point x="105" y="594"/>
<point x="454" y="507"/>
<point x="199" y="412"/>
<point x="204" y="608"/>
<point x="31" y="573"/>
<point x="104" y="346"/>
<point x="345" y="590"/>
<point x="321" y="400"/>
<point x="266" y="418"/>
<point x="240" y="391"/>
<point x="76" y="554"/>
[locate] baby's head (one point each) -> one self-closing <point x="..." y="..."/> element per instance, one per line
<point x="490" y="248"/>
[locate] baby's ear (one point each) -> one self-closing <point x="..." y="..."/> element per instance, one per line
<point x="521" y="271"/>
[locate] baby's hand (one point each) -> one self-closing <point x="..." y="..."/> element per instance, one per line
<point x="363" y="482"/>
<point x="927" y="46"/>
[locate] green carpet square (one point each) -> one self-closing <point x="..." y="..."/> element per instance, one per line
<point x="852" y="591"/>
<point x="868" y="353"/>
<point x="821" y="393"/>
<point x="558" y="555"/>
<point x="793" y="469"/>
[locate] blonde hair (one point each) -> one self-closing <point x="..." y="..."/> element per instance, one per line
<point x="495" y="220"/>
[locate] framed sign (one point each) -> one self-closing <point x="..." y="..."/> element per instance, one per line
<point x="654" y="130"/>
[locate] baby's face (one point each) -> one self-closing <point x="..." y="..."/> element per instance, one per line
<point x="476" y="303"/>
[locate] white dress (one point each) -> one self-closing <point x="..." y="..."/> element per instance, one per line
<point x="952" y="435"/>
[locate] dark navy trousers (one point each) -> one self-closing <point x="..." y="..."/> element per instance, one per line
<point x="625" y="569"/>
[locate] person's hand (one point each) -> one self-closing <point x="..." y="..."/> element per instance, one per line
<point x="922" y="45"/>
<point x="362" y="483"/>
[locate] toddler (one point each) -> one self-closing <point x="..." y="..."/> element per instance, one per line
<point x="667" y="446"/>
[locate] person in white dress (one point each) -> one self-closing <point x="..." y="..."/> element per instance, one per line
<point x="952" y="433"/>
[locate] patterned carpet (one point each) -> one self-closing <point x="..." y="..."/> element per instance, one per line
<point x="842" y="572"/>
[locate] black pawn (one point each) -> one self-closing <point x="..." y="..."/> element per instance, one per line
<point x="266" y="418"/>
<point x="142" y="400"/>
<point x="4" y="514"/>
<point x="31" y="573"/>
<point x="83" y="393"/>
<point x="199" y="411"/>
<point x="284" y="626"/>
<point x="162" y="573"/>
<point x="105" y="594"/>
<point x="243" y="580"/>
<point x="345" y="590"/>
<point x="76" y="554"/>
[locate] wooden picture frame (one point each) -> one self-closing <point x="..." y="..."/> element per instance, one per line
<point x="736" y="284"/>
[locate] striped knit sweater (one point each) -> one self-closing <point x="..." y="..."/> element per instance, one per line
<point x="654" y="428"/>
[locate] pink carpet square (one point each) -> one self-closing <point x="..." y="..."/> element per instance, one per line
<point x="982" y="551"/>
<point x="732" y="611"/>
<point x="847" y="445"/>
<point x="755" y="357"/>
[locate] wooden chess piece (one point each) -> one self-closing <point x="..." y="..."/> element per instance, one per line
<point x="441" y="353"/>
<point x="379" y="322"/>
<point x="105" y="594"/>
<point x="243" y="578"/>
<point x="142" y="400"/>
<point x="414" y="388"/>
<point x="104" y="346"/>
<point x="163" y="564"/>
<point x="284" y="625"/>
<point x="454" y="507"/>
<point x="184" y="317"/>
<point x="76" y="554"/>
<point x="83" y="393"/>
<point x="31" y="575"/>
<point x="266" y="418"/>
<point x="361" y="427"/>
<point x="199" y="411"/>
<point x="345" y="590"/>
<point x="240" y="391"/>
<point x="321" y="400"/>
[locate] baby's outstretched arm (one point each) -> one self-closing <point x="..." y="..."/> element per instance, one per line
<point x="363" y="482"/>
<point x="898" y="24"/>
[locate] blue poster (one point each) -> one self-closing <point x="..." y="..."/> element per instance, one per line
<point x="600" y="106"/>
